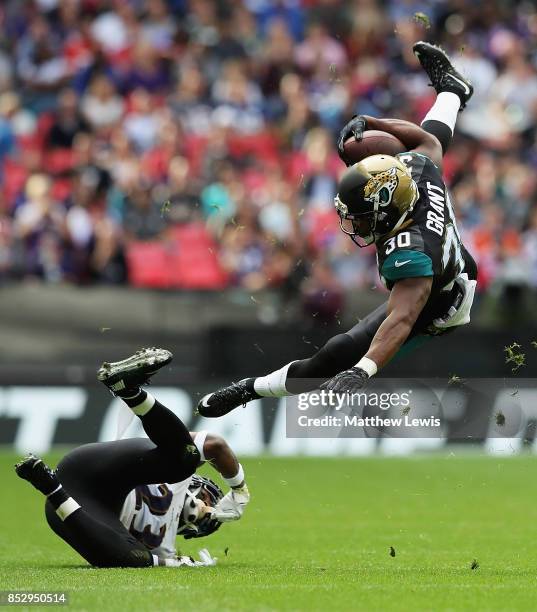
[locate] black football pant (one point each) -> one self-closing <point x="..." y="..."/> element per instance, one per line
<point x="100" y="476"/>
<point x="339" y="353"/>
<point x="345" y="350"/>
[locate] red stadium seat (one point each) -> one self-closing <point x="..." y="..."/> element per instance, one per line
<point x="195" y="261"/>
<point x="14" y="177"/>
<point x="261" y="146"/>
<point x="44" y="124"/>
<point x="61" y="189"/>
<point x="29" y="142"/>
<point x="148" y="265"/>
<point x="188" y="261"/>
<point x="194" y="149"/>
<point x="59" y="161"/>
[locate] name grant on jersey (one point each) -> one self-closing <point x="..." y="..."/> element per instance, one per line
<point x="436" y="217"/>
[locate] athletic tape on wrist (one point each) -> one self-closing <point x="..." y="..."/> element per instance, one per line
<point x="368" y="365"/>
<point x="235" y="481"/>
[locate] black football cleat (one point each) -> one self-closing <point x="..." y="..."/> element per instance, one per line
<point x="436" y="63"/>
<point x="37" y="472"/>
<point x="225" y="400"/>
<point x="134" y="371"/>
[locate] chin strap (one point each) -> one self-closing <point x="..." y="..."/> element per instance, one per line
<point x="401" y="220"/>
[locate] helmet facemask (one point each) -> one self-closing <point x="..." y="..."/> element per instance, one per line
<point x="352" y="224"/>
<point x="195" y="521"/>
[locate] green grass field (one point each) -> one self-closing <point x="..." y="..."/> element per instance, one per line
<point x="317" y="536"/>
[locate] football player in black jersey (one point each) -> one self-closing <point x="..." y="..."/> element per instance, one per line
<point x="401" y="205"/>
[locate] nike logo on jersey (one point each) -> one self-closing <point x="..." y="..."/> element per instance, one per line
<point x="398" y="264"/>
<point x="461" y="82"/>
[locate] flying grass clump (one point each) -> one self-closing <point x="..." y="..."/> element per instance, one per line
<point x="514" y="356"/>
<point x="455" y="380"/>
<point x="422" y="19"/>
<point x="165" y="208"/>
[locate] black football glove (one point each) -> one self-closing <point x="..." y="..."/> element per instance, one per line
<point x="355" y="127"/>
<point x="349" y="381"/>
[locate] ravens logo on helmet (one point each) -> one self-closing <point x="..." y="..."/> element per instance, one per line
<point x="374" y="198"/>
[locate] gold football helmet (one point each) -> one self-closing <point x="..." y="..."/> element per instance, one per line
<point x="374" y="198"/>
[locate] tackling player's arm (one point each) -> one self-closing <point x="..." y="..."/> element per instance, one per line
<point x="220" y="455"/>
<point x="222" y="458"/>
<point x="415" y="139"/>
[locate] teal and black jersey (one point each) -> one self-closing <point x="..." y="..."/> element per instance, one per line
<point x="429" y="243"/>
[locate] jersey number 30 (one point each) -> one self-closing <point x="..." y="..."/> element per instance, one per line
<point x="400" y="241"/>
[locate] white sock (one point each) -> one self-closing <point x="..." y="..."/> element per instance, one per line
<point x="445" y="109"/>
<point x="273" y="384"/>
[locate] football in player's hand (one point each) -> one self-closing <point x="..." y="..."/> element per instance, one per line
<point x="374" y="142"/>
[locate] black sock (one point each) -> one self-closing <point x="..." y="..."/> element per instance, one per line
<point x="58" y="497"/>
<point x="132" y="397"/>
<point x="249" y="384"/>
<point x="441" y="130"/>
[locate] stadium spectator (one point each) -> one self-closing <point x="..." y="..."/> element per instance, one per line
<point x="101" y="106"/>
<point x="120" y="119"/>
<point x="67" y="122"/>
<point x="41" y="231"/>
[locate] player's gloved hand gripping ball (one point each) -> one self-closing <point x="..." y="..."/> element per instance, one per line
<point x="355" y="127"/>
<point x="348" y="381"/>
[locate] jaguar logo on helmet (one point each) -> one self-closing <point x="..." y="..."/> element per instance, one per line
<point x="374" y="198"/>
<point x="380" y="188"/>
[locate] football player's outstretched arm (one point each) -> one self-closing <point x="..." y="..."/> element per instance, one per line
<point x="414" y="138"/>
<point x="220" y="455"/>
<point x="407" y="299"/>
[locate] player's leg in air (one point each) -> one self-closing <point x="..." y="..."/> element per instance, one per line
<point x="401" y="205"/>
<point x="86" y="494"/>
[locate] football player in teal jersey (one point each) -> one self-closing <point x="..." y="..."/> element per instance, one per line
<point x="402" y="206"/>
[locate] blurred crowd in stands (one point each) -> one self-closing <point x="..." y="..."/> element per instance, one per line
<point x="190" y="143"/>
